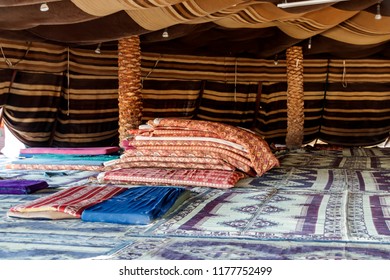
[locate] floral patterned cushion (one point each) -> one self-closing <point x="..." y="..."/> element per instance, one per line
<point x="222" y="179"/>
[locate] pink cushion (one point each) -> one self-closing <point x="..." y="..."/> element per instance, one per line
<point x="71" y="151"/>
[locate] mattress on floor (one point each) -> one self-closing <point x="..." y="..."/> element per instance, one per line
<point x="21" y="186"/>
<point x="137" y="205"/>
<point x="65" y="204"/>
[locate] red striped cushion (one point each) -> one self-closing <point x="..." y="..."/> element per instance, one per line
<point x="70" y="202"/>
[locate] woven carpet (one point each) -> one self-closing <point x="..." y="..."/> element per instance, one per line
<point x="316" y="205"/>
<point x="174" y="248"/>
<point x="267" y="213"/>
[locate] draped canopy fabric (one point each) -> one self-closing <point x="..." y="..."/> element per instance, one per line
<point x="248" y="28"/>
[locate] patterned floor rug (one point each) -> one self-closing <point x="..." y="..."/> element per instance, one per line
<point x="267" y="213"/>
<point x="238" y="249"/>
<point x="368" y="217"/>
<point x="319" y="205"/>
<point x="307" y="179"/>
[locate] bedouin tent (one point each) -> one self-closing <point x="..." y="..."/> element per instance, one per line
<point x="90" y="73"/>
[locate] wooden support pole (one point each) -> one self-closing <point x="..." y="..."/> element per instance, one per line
<point x="130" y="85"/>
<point x="295" y="98"/>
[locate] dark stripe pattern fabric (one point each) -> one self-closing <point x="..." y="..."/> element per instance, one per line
<point x="235" y="28"/>
<point x="60" y="96"/>
<point x="336" y="91"/>
<point x="347" y="102"/>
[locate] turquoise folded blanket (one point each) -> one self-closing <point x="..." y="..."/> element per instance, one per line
<point x="65" y="159"/>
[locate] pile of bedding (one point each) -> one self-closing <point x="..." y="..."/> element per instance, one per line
<point x="49" y="158"/>
<point x="189" y="153"/>
<point x="111" y="204"/>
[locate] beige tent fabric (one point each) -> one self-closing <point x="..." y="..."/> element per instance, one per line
<point x="358" y="26"/>
<point x="104" y="7"/>
<point x="185" y="12"/>
<point x="362" y="29"/>
<point x="254" y="70"/>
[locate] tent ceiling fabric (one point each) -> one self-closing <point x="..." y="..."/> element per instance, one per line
<point x="240" y="28"/>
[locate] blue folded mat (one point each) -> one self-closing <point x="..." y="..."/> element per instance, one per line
<point x="137" y="205"/>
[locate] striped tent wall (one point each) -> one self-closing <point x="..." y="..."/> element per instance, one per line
<point x="205" y="100"/>
<point x="30" y="106"/>
<point x="220" y="69"/>
<point x="170" y="98"/>
<point x="331" y="86"/>
<point x="271" y="121"/>
<point x="246" y="92"/>
<point x="357" y="102"/>
<point x="59" y="96"/>
<point x="357" y="114"/>
<point x="31" y="76"/>
<point x="88" y="113"/>
<point x="231" y="103"/>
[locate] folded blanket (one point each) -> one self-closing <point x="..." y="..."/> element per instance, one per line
<point x="137" y="205"/>
<point x="241" y="141"/>
<point x="56" y="161"/>
<point x="222" y="179"/>
<point x="170" y="162"/>
<point x="73" y="151"/>
<point x="61" y="162"/>
<point x="21" y="186"/>
<point x="194" y="152"/>
<point x="65" y="204"/>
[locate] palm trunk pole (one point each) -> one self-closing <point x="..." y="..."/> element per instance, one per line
<point x="129" y="91"/>
<point x="295" y="98"/>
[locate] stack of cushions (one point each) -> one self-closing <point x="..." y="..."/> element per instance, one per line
<point x="112" y="204"/>
<point x="48" y="158"/>
<point x="21" y="186"/>
<point x="190" y="153"/>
